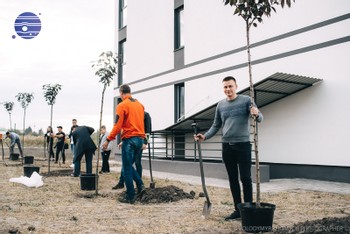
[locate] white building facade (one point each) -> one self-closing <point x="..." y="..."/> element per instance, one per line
<point x="175" y="53"/>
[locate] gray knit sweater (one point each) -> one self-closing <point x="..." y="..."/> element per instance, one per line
<point x="233" y="117"/>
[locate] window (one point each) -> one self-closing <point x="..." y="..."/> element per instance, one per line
<point x="179" y="102"/>
<point x="179" y="40"/>
<point x="122" y="13"/>
<point x="122" y="63"/>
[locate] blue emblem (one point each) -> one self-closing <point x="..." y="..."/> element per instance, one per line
<point x="27" y="25"/>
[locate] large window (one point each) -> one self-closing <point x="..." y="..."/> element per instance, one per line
<point x="179" y="40"/>
<point x="122" y="13"/>
<point x="121" y="62"/>
<point x="179" y="102"/>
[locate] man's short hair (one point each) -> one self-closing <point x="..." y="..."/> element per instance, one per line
<point x="74" y="119"/>
<point x="7" y="133"/>
<point x="103" y="127"/>
<point x="228" y="78"/>
<point x="124" y="89"/>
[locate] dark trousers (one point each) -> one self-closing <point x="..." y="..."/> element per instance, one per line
<point x="88" y="160"/>
<point x="60" y="150"/>
<point x="50" y="150"/>
<point x="105" y="158"/>
<point x="237" y="158"/>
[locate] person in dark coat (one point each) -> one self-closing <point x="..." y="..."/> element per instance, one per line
<point x="83" y="145"/>
<point x="49" y="142"/>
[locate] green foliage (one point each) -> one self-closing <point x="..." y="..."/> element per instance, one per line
<point x="50" y="92"/>
<point x="25" y="99"/>
<point x="9" y="106"/>
<point x="253" y="10"/>
<point x="105" y="67"/>
<point x="28" y="131"/>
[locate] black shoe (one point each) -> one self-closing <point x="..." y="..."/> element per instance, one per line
<point x="118" y="186"/>
<point x="141" y="191"/>
<point x="233" y="216"/>
<point x="126" y="200"/>
<point x="101" y="172"/>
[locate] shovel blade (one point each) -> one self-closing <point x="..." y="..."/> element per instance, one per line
<point x="206" y="209"/>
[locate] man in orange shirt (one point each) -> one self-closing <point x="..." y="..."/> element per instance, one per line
<point x="130" y="123"/>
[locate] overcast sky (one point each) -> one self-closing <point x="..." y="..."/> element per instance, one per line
<point x="73" y="33"/>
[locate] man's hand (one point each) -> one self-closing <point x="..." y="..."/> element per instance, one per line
<point x="199" y="137"/>
<point x="254" y="111"/>
<point x="105" y="145"/>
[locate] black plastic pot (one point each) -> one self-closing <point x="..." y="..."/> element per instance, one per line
<point x="28" y="159"/>
<point x="87" y="181"/>
<point x="257" y="219"/>
<point x="14" y="156"/>
<point x="28" y="170"/>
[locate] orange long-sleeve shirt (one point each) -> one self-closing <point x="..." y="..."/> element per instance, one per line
<point x="129" y="119"/>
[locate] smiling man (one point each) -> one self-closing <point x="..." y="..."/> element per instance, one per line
<point x="232" y="114"/>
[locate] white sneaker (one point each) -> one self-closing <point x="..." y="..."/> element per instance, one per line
<point x="72" y="165"/>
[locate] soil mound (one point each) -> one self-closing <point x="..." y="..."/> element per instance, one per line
<point x="325" y="225"/>
<point x="166" y="194"/>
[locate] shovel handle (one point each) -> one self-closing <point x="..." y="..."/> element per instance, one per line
<point x="150" y="161"/>
<point x="194" y="125"/>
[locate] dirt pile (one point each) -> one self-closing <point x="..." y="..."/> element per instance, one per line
<point x="165" y="194"/>
<point x="325" y="225"/>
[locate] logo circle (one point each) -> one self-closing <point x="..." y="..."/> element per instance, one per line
<point x="27" y="25"/>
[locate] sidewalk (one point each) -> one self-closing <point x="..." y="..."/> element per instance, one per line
<point x="275" y="185"/>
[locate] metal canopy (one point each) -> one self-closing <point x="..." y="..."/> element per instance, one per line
<point x="267" y="91"/>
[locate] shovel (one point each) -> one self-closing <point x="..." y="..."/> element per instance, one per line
<point x="207" y="203"/>
<point x="152" y="185"/>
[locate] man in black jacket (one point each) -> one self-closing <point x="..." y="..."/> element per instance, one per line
<point x="83" y="145"/>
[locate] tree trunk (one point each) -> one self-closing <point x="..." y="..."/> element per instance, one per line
<point x="98" y="137"/>
<point x="10" y="121"/>
<point x="253" y="122"/>
<point x="24" y="127"/>
<point x="49" y="146"/>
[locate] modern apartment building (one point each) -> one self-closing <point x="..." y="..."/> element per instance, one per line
<point x="175" y="53"/>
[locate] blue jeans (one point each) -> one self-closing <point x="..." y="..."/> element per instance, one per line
<point x="138" y="166"/>
<point x="238" y="155"/>
<point x="131" y="149"/>
<point x="18" y="142"/>
<point x="72" y="149"/>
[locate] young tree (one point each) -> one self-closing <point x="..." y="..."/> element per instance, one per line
<point x="50" y="93"/>
<point x="9" y="107"/>
<point x="105" y="68"/>
<point x="24" y="99"/>
<point x="252" y="12"/>
<point x="28" y="131"/>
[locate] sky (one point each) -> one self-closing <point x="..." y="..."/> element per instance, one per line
<point x="73" y="34"/>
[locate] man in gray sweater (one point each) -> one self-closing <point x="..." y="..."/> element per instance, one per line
<point x="14" y="140"/>
<point x="233" y="115"/>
